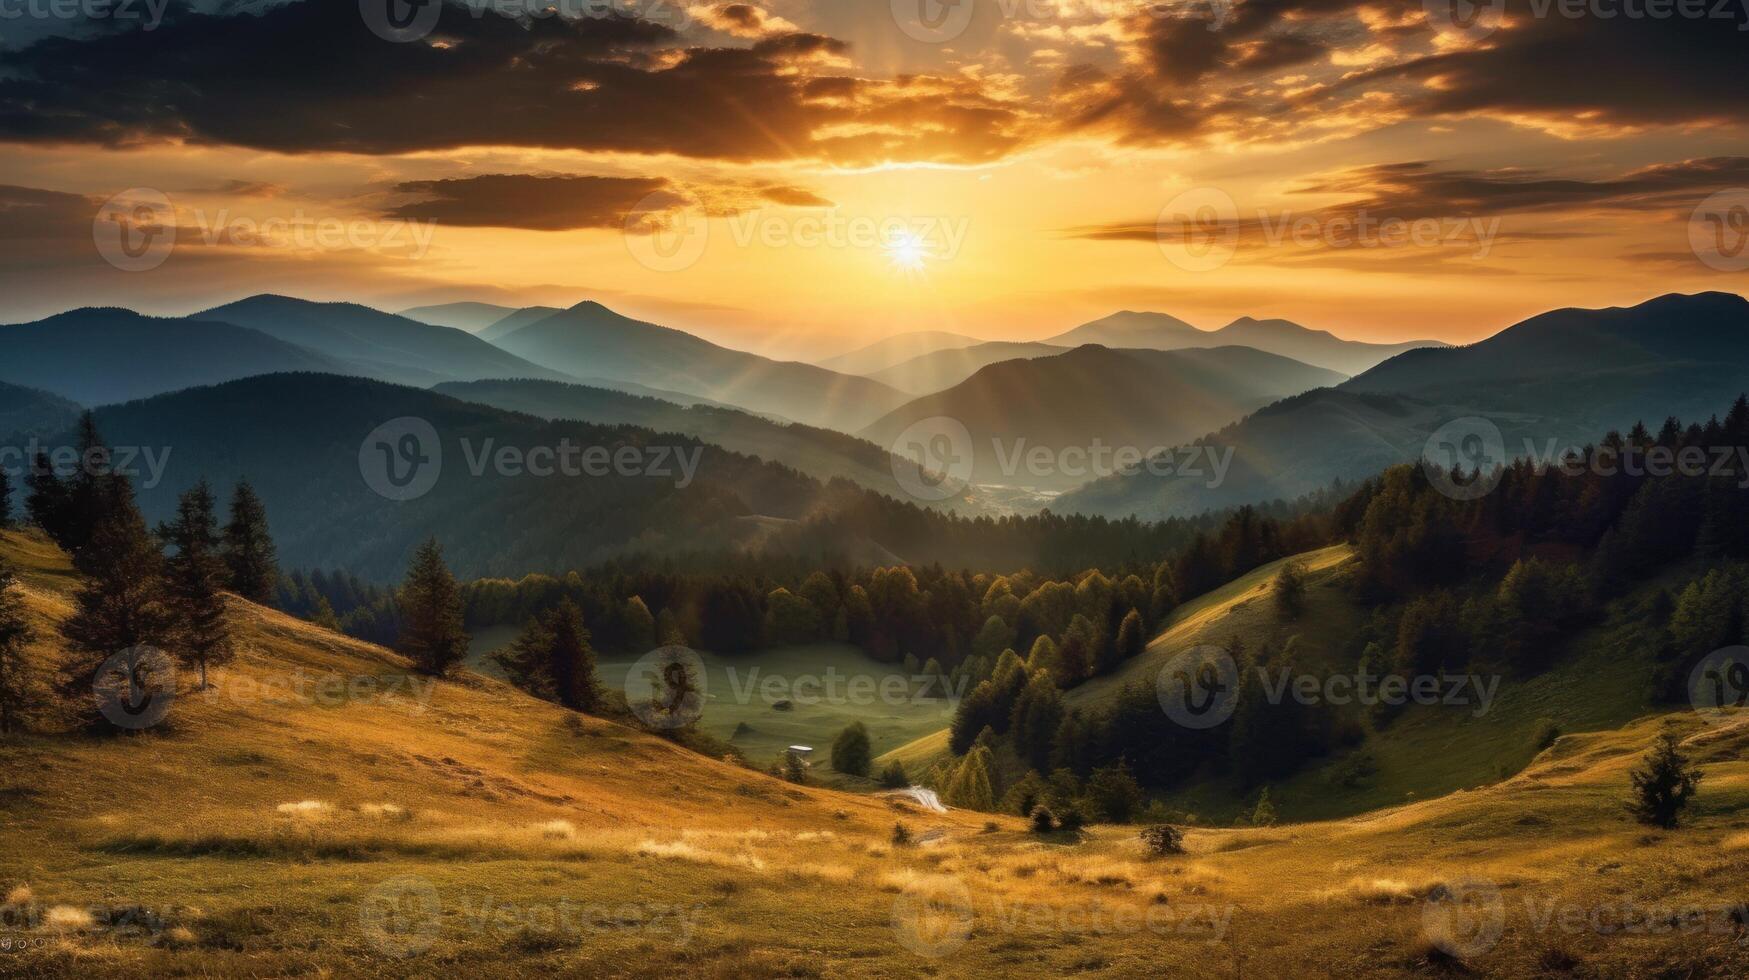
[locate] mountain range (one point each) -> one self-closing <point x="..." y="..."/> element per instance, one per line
<point x="1554" y="380"/>
<point x="1092" y="395"/>
<point x="472" y="317"/>
<point x="591" y="341"/>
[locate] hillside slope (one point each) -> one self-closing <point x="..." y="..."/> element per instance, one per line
<point x="271" y="829"/>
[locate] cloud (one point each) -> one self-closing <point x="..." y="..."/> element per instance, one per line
<point x="743" y="20"/>
<point x="568" y="202"/>
<point x="309" y="76"/>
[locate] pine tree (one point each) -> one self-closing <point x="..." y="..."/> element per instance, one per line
<point x="573" y="659"/>
<point x="90" y="492"/>
<point x="18" y="682"/>
<point x="527" y="662"/>
<point x="850" y="751"/>
<point x="1662" y="785"/>
<point x="46" y="503"/>
<point x="431" y="614"/>
<point x="969" y="788"/>
<point x="195" y="576"/>
<point x="122" y="605"/>
<point x="249" y="552"/>
<point x="640" y="625"/>
<point x="5" y="499"/>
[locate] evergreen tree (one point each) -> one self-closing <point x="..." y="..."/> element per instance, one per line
<point x="195" y="574"/>
<point x="121" y="606"/>
<point x="46" y="503"/>
<point x="969" y="787"/>
<point x="528" y="661"/>
<point x="5" y="499"/>
<point x="18" y="682"/>
<point x="850" y="751"/>
<point x="640" y="625"/>
<point x="575" y="682"/>
<point x="1113" y="795"/>
<point x="894" y="777"/>
<point x="90" y="492"/>
<point x="249" y="552"/>
<point x="1131" y="639"/>
<point x="1662" y="785"/>
<point x="1263" y="814"/>
<point x="431" y="609"/>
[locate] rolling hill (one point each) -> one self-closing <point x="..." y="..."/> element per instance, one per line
<point x="413" y="826"/>
<point x="472" y="317"/>
<point x="1097" y="396"/>
<point x="885" y="353"/>
<point x="938" y="371"/>
<point x="28" y="412"/>
<point x="1159" y="331"/>
<point x="100" y="356"/>
<point x="590" y="341"/>
<point x="378" y="344"/>
<point x="1554" y="380"/>
<point x="820" y="453"/>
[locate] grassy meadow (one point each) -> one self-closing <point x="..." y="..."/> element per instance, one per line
<point x="299" y="821"/>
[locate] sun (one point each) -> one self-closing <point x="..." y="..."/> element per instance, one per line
<point x="908" y="252"/>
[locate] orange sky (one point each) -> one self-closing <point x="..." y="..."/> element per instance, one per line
<point x="1031" y="173"/>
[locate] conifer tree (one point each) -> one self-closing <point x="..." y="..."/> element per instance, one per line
<point x="1131" y="637"/>
<point x="195" y="576"/>
<point x="249" y="551"/>
<point x="572" y="658"/>
<point x="1037" y="715"/>
<point x="122" y="604"/>
<point x="431" y="614"/>
<point x="5" y="499"/>
<point x="46" y="503"/>
<point x="1662" y="785"/>
<point x="18" y="682"/>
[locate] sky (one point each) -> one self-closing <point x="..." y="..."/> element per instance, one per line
<point x="799" y="177"/>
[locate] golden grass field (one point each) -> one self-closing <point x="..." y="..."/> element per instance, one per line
<point x="275" y="827"/>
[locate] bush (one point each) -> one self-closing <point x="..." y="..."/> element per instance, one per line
<point x="1163" y="840"/>
<point x="894" y="777"/>
<point x="850" y="752"/>
<point x="1043" y="821"/>
<point x="1071" y="820"/>
<point x="901" y="835"/>
<point x="1662" y="785"/>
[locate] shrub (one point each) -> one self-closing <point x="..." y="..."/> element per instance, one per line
<point x="901" y="835"/>
<point x="850" y="752"/>
<point x="1163" y="840"/>
<point x="894" y="777"/>
<point x="1043" y="821"/>
<point x="1071" y="820"/>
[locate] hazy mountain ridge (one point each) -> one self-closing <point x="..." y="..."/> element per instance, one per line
<point x="1143" y="399"/>
<point x="890" y="351"/>
<point x="98" y="356"/>
<point x="382" y="345"/>
<point x="590" y="340"/>
<point x="1558" y="379"/>
<point x="1161" y="331"/>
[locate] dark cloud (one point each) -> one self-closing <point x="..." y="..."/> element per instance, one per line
<point x="537" y="203"/>
<point x="33" y="214"/>
<point x="569" y="202"/>
<point x="309" y="76"/>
